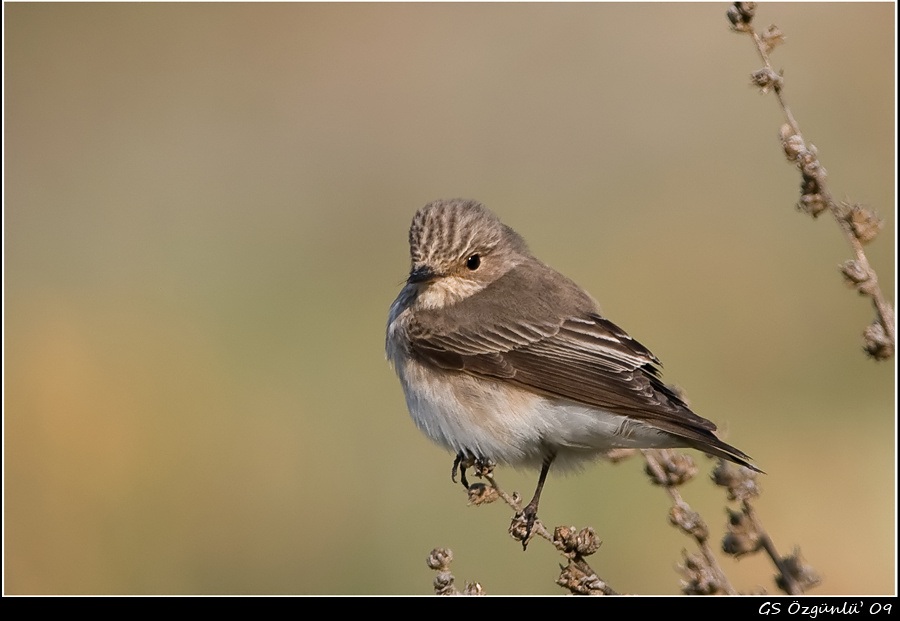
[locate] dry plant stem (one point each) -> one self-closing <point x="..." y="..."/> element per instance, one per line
<point x="882" y="307"/>
<point x="582" y="566"/>
<point x="586" y="580"/>
<point x="513" y="501"/>
<point x="651" y="456"/>
<point x="764" y="55"/>
<point x="439" y="560"/>
<point x="746" y="534"/>
<point x="791" y="585"/>
<point x="578" y="576"/>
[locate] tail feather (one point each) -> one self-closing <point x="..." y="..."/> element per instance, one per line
<point x="714" y="446"/>
<point x="707" y="442"/>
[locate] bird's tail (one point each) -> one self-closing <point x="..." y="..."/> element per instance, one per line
<point x="712" y="445"/>
<point x="706" y="441"/>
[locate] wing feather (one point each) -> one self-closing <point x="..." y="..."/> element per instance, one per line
<point x="560" y="347"/>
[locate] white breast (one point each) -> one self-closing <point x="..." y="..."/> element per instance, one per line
<point x="504" y="422"/>
<point x="509" y="425"/>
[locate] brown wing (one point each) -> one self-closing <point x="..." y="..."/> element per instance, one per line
<point x="557" y="344"/>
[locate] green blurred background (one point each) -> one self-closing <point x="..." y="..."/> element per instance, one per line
<point x="206" y="217"/>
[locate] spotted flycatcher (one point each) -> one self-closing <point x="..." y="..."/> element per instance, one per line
<point x="503" y="359"/>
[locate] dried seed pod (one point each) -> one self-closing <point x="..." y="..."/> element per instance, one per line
<point x="439" y="558"/>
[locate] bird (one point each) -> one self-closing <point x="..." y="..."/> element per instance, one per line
<point x="504" y="360"/>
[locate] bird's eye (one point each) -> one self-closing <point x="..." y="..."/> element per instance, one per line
<point x="473" y="262"/>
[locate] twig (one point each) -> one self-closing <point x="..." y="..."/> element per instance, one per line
<point x="669" y="469"/>
<point x="439" y="559"/>
<point x="577" y="576"/>
<point x="859" y="224"/>
<point x="746" y="533"/>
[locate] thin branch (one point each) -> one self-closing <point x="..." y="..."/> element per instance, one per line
<point x="578" y="576"/>
<point x="746" y="534"/>
<point x="859" y="224"/>
<point x="668" y="470"/>
<point x="439" y="559"/>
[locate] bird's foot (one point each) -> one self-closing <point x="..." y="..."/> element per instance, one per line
<point x="522" y="526"/>
<point x="460" y="465"/>
<point x="480" y="465"/>
<point x="483" y="467"/>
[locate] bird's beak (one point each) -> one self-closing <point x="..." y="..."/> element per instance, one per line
<point x="422" y="273"/>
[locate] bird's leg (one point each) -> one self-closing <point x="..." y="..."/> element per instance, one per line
<point x="529" y="513"/>
<point x="460" y="464"/>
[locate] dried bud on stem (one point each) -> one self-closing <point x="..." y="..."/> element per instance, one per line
<point x="699" y="577"/>
<point x="864" y="222"/>
<point x="877" y="343"/>
<point x="772" y="37"/>
<point x="439" y="559"/>
<point x="812" y="203"/>
<point x="743" y="537"/>
<point x="481" y="494"/>
<point x="577" y="581"/>
<point x="766" y="79"/>
<point x="739" y="481"/>
<point x="473" y="588"/>
<point x="671" y="469"/>
<point x="571" y="542"/>
<point x="792" y="143"/>
<point x="740" y="14"/>
<point x="587" y="542"/>
<point x="803" y="575"/>
<point x="689" y="521"/>
<point x="443" y="584"/>
<point x="856" y="274"/>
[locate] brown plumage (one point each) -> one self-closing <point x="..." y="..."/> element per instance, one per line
<point x="502" y="358"/>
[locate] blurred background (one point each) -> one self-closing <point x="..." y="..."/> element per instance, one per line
<point x="206" y="215"/>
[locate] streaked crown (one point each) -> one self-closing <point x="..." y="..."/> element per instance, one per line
<point x="445" y="230"/>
